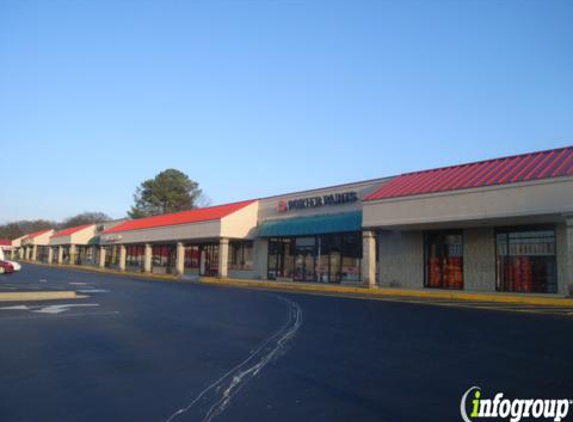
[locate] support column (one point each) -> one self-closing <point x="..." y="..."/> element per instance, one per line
<point x="223" y="257"/>
<point x="34" y="252"/>
<point x="101" y="262"/>
<point x="60" y="255"/>
<point x="27" y="253"/>
<point x="369" y="258"/>
<point x="569" y="259"/>
<point x="21" y="252"/>
<point x="122" y="257"/>
<point x="180" y="259"/>
<point x="50" y="254"/>
<point x="147" y="259"/>
<point x="72" y="256"/>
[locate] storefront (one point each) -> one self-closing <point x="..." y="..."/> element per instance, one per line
<point x="33" y="241"/>
<point x="73" y="246"/>
<point x="328" y="258"/>
<point x="315" y="236"/>
<point x="211" y="241"/>
<point x="501" y="225"/>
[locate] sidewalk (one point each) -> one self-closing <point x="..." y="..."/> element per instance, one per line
<point x="387" y="292"/>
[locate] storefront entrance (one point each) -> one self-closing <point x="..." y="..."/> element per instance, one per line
<point x="329" y="258"/>
<point x="305" y="250"/>
<point x="209" y="261"/>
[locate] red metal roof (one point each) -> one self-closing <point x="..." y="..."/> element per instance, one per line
<point x="5" y="242"/>
<point x="36" y="234"/>
<point x="71" y="230"/>
<point x="500" y="171"/>
<point x="184" y="217"/>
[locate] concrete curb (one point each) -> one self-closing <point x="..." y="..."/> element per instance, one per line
<point x="37" y="296"/>
<point x="374" y="293"/>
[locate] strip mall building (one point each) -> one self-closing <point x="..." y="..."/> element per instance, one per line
<point x="501" y="225"/>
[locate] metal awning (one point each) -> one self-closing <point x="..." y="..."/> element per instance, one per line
<point x="318" y="224"/>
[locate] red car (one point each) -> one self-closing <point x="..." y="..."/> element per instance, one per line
<point x="6" y="267"/>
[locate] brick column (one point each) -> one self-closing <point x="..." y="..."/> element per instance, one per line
<point x="122" y="257"/>
<point x="223" y="258"/>
<point x="369" y="258"/>
<point x="180" y="259"/>
<point x="60" y="255"/>
<point x="27" y="253"/>
<point x="101" y="261"/>
<point x="34" y="252"/>
<point x="50" y="254"/>
<point x="147" y="259"/>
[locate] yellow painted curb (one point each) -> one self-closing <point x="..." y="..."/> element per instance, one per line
<point x="36" y="296"/>
<point x="392" y="292"/>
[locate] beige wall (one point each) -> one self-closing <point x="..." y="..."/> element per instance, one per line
<point x="81" y="237"/>
<point x="538" y="198"/>
<point x="401" y="259"/>
<point x="42" y="239"/>
<point x="241" y="224"/>
<point x="479" y="259"/>
<point x="18" y="241"/>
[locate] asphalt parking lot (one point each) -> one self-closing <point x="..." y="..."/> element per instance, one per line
<point x="143" y="350"/>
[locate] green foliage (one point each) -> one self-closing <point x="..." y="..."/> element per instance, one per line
<point x="170" y="191"/>
<point x="17" y="229"/>
<point x="85" y="218"/>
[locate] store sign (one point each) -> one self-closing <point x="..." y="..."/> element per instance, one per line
<point x="318" y="201"/>
<point x="113" y="237"/>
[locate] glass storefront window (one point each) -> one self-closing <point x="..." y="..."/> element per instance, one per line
<point x="331" y="258"/>
<point x="444" y="260"/>
<point x="163" y="257"/>
<point x="135" y="256"/>
<point x="241" y="255"/>
<point x="192" y="256"/>
<point x="526" y="260"/>
<point x="111" y="256"/>
<point x="81" y="252"/>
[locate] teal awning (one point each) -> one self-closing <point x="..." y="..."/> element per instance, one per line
<point x="319" y="224"/>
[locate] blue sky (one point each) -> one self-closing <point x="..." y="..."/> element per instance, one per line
<point x="254" y="98"/>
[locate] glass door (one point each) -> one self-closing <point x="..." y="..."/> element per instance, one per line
<point x="209" y="261"/>
<point x="304" y="260"/>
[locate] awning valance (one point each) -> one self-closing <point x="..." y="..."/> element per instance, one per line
<point x="318" y="224"/>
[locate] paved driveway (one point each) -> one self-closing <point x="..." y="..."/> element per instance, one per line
<point x="137" y="350"/>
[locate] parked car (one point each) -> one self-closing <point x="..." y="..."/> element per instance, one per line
<point x="6" y="267"/>
<point x="16" y="265"/>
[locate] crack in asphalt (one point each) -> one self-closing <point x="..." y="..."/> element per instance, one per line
<point x="213" y="400"/>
